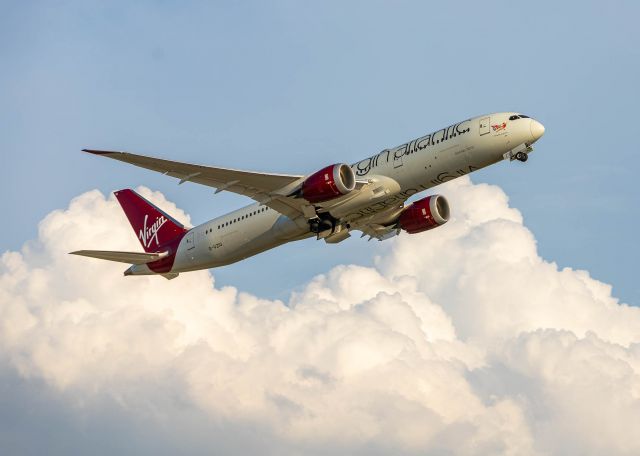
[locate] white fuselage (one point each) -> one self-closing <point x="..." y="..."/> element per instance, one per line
<point x="402" y="171"/>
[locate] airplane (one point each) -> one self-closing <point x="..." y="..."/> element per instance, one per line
<point x="368" y="196"/>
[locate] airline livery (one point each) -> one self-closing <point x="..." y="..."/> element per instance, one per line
<point x="368" y="196"/>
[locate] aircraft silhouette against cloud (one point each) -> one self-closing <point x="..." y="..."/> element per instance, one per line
<point x="368" y="196"/>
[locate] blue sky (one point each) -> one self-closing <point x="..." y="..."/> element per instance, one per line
<point x="291" y="86"/>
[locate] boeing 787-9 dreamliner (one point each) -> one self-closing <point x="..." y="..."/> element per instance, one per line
<point x="368" y="196"/>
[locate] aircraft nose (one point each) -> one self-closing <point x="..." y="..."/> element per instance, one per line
<point x="537" y="130"/>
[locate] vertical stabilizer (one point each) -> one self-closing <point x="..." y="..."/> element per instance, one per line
<point x="154" y="228"/>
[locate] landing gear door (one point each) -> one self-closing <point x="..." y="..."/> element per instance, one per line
<point x="484" y="126"/>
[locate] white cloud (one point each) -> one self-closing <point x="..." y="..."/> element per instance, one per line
<point x="461" y="340"/>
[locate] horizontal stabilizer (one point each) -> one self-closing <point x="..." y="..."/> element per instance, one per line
<point x="122" y="257"/>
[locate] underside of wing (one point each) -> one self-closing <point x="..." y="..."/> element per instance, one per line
<point x="122" y="257"/>
<point x="379" y="232"/>
<point x="380" y="226"/>
<point x="266" y="188"/>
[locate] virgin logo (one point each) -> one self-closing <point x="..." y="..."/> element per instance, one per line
<point x="148" y="234"/>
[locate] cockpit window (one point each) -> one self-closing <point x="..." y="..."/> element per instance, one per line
<point x="514" y="117"/>
<point x="518" y="116"/>
<point x="522" y="116"/>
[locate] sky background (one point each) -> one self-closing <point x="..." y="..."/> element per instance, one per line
<point x="289" y="87"/>
<point x="501" y="332"/>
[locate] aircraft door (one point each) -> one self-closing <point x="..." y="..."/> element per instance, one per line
<point x="397" y="159"/>
<point x="190" y="240"/>
<point x="484" y="126"/>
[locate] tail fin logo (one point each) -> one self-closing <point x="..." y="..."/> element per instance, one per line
<point x="148" y="234"/>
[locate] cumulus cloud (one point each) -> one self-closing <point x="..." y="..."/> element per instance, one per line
<point x="461" y="340"/>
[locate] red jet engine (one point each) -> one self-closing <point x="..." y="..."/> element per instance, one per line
<point x="329" y="183"/>
<point x="424" y="214"/>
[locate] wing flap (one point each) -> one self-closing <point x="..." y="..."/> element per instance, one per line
<point x="122" y="257"/>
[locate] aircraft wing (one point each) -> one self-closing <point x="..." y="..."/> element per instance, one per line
<point x="380" y="226"/>
<point x="268" y="189"/>
<point x="379" y="232"/>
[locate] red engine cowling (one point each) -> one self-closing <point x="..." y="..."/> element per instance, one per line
<point x="424" y="214"/>
<point x="328" y="183"/>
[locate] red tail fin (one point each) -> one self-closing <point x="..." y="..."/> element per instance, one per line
<point x="154" y="227"/>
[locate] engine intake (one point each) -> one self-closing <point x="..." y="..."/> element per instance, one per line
<point x="329" y="183"/>
<point x="425" y="214"/>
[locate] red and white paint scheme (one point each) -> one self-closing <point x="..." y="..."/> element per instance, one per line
<point x="368" y="196"/>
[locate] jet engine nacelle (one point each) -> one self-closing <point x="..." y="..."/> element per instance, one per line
<point x="424" y="214"/>
<point x="329" y="183"/>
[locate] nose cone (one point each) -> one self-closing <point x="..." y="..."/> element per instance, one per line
<point x="537" y="130"/>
